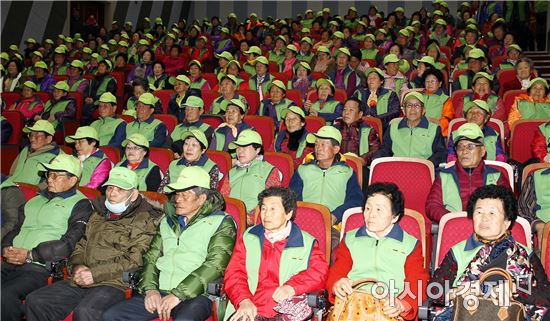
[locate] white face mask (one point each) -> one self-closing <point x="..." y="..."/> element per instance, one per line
<point x="118" y="207"/>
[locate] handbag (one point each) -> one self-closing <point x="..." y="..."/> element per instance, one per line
<point x="360" y="306"/>
<point x="485" y="308"/>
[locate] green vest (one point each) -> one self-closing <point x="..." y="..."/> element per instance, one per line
<point x="370" y="256"/>
<point x="144" y="128"/>
<point x="451" y="191"/>
<point x="326" y="187"/>
<point x="307" y="58"/>
<point x="60" y="106"/>
<point x="433" y="104"/>
<point x="221" y="103"/>
<point x="364" y="139"/>
<point x="222" y="43"/>
<point x="131" y="103"/>
<point x="491" y="101"/>
<point x="247" y="182"/>
<point x="182" y="128"/>
<point x="329" y="107"/>
<point x="277" y="58"/>
<point x="220" y="139"/>
<point x="279" y="108"/>
<point x="369" y="54"/>
<point x="464" y="81"/>
<point x="412" y="142"/>
<point x="45" y="220"/>
<point x="530" y="110"/>
<point x="198" y="84"/>
<point x="265" y="85"/>
<point x="249" y="68"/>
<point x="89" y="165"/>
<point x="61" y="71"/>
<point x="184" y="251"/>
<point x="175" y="169"/>
<point x="103" y="86"/>
<point x="382" y="102"/>
<point x="542" y="192"/>
<point x="106" y="128"/>
<point x="141" y="173"/>
<point x="75" y="85"/>
<point x="490" y="141"/>
<point x="26" y="168"/>
<point x="463" y="257"/>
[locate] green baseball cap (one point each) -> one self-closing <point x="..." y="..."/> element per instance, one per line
<point x="62" y="85"/>
<point x="230" y="77"/>
<point x="196" y="63"/>
<point x="148" y="99"/>
<point x="224" y="30"/>
<point x="325" y="132"/>
<point x="296" y="110"/>
<point x="404" y="33"/>
<point x="238" y="64"/>
<point x="158" y="20"/>
<point x="87" y="50"/>
<point x="279" y="84"/>
<point x="343" y="50"/>
<point x="83" y="132"/>
<point x="38" y="53"/>
<point x="225" y="55"/>
<point x="302" y="64"/>
<point x="60" y="50"/>
<point x="62" y="163"/>
<point x="41" y="65"/>
<point x="441" y="22"/>
<point x="413" y="94"/>
<point x="382" y="31"/>
<point x="338" y="34"/>
<point x="323" y="49"/>
<point x="305" y="30"/>
<point x="482" y="74"/>
<point x="389" y="58"/>
<point x="5" y="56"/>
<point x="324" y="81"/>
<point x="415" y="22"/>
<point x="426" y="60"/>
<point x="77" y="64"/>
<point x="437" y="13"/>
<point x="232" y="15"/>
<point x="107" y="98"/>
<point x="478" y="103"/>
<point x="292" y="47"/>
<point x="254" y="50"/>
<point x="245" y="138"/>
<point x="198" y="135"/>
<point x="468" y="131"/>
<point x="112" y="42"/>
<point x="122" y="177"/>
<point x="194" y="101"/>
<point x="192" y="176"/>
<point x="476" y="53"/>
<point x="538" y="80"/>
<point x="514" y="46"/>
<point x="183" y="78"/>
<point x="262" y="60"/>
<point x="307" y="40"/>
<point x="123" y="43"/>
<point x="50" y="41"/>
<point x="13" y="48"/>
<point x="106" y="62"/>
<point x="334" y="23"/>
<point x="69" y="39"/>
<point x="143" y="42"/>
<point x="236" y="102"/>
<point x="30" y="85"/>
<point x="40" y="126"/>
<point x="399" y="9"/>
<point x="137" y="139"/>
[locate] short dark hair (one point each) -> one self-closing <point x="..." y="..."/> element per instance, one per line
<point x="434" y="72"/>
<point x="288" y="198"/>
<point x="356" y="100"/>
<point x="391" y="191"/>
<point x="160" y="63"/>
<point x="502" y="193"/>
<point x="91" y="140"/>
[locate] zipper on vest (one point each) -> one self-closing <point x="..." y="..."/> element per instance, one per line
<point x="323" y="184"/>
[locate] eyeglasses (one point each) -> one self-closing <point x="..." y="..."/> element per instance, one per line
<point x="469" y="147"/>
<point x="55" y="175"/>
<point x="410" y="106"/>
<point x="136" y="148"/>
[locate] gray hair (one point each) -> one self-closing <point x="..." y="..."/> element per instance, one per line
<point x="524" y="59"/>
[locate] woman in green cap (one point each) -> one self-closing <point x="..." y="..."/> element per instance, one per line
<point x="278" y="53"/>
<point x="276" y="104"/>
<point x="323" y="60"/>
<point x="101" y="83"/>
<point x="29" y="105"/>
<point x="292" y="139"/>
<point x="144" y="68"/>
<point x="195" y="75"/>
<point x="369" y="50"/>
<point x="136" y="158"/>
<point x="60" y="107"/>
<point x="326" y="105"/>
<point x="42" y="78"/>
<point x="76" y="81"/>
<point x="302" y="79"/>
<point x="535" y="105"/>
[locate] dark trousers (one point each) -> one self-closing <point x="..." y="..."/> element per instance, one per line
<point x="196" y="309"/>
<point x="17" y="282"/>
<point x="55" y="302"/>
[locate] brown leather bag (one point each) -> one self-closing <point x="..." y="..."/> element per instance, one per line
<point x="486" y="309"/>
<point x="359" y="306"/>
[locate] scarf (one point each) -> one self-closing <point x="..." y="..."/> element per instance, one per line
<point x="274" y="237"/>
<point x="294" y="139"/>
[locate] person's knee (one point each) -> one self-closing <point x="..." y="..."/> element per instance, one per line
<point x="112" y="314"/>
<point x="35" y="299"/>
<point x="86" y="312"/>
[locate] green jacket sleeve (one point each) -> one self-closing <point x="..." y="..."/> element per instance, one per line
<point x="149" y="279"/>
<point x="220" y="248"/>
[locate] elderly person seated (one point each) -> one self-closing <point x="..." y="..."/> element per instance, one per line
<point x="250" y="173"/>
<point x="535" y="105"/>
<point x="261" y="81"/>
<point x="533" y="202"/>
<point x="323" y="60"/>
<point x="42" y="78"/>
<point x="194" y="220"/>
<point x="343" y="76"/>
<point x="540" y="146"/>
<point x="302" y="79"/>
<point x="49" y="226"/>
<point x="136" y="158"/>
<point x="326" y="105"/>
<point x="438" y="105"/>
<point x="193" y="153"/>
<point x="95" y="164"/>
<point x="29" y="105"/>
<point x="117" y="235"/>
<point x="146" y="124"/>
<point x="139" y="87"/>
<point x="252" y="288"/>
<point x="454" y="185"/>
<point x="358" y="138"/>
<point x="228" y="90"/>
<point x="101" y="83"/>
<point x="364" y="253"/>
<point x="377" y="101"/>
<point x="110" y="128"/>
<point x="227" y="132"/>
<point x="276" y="103"/>
<point x="479" y="113"/>
<point x="292" y="140"/>
<point x="477" y="62"/>
<point x="414" y="135"/>
<point x="41" y="149"/>
<point x="62" y="106"/>
<point x="76" y="81"/>
<point x="394" y="80"/>
<point x="524" y="73"/>
<point x="513" y="52"/>
<point x="159" y="78"/>
<point x="493" y="212"/>
<point x="182" y="93"/>
<point x="482" y="89"/>
<point x="194" y="108"/>
<point x="195" y="75"/>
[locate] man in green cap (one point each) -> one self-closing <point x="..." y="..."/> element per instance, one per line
<point x="228" y="90"/>
<point x="111" y="129"/>
<point x="195" y="219"/>
<point x="224" y="43"/>
<point x="325" y="178"/>
<point x="48" y="229"/>
<point x="146" y="124"/>
<point x="182" y="93"/>
<point x="194" y="108"/>
<point x="476" y="62"/>
<point x="393" y="78"/>
<point x="41" y="149"/>
<point x="414" y="135"/>
<point x="454" y="185"/>
<point x="60" y="107"/>
<point x="59" y="65"/>
<point x="227" y="132"/>
<point x="76" y="81"/>
<point x="261" y="81"/>
<point x="117" y="236"/>
<point x="276" y="103"/>
<point x="101" y="83"/>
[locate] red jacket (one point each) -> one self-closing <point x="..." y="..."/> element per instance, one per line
<point x="539" y="146"/>
<point x="196" y="54"/>
<point x="435" y="209"/>
<point x="414" y="273"/>
<point x="174" y="64"/>
<point x="236" y="279"/>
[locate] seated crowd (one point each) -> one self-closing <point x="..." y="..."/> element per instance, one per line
<point x="166" y="124"/>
